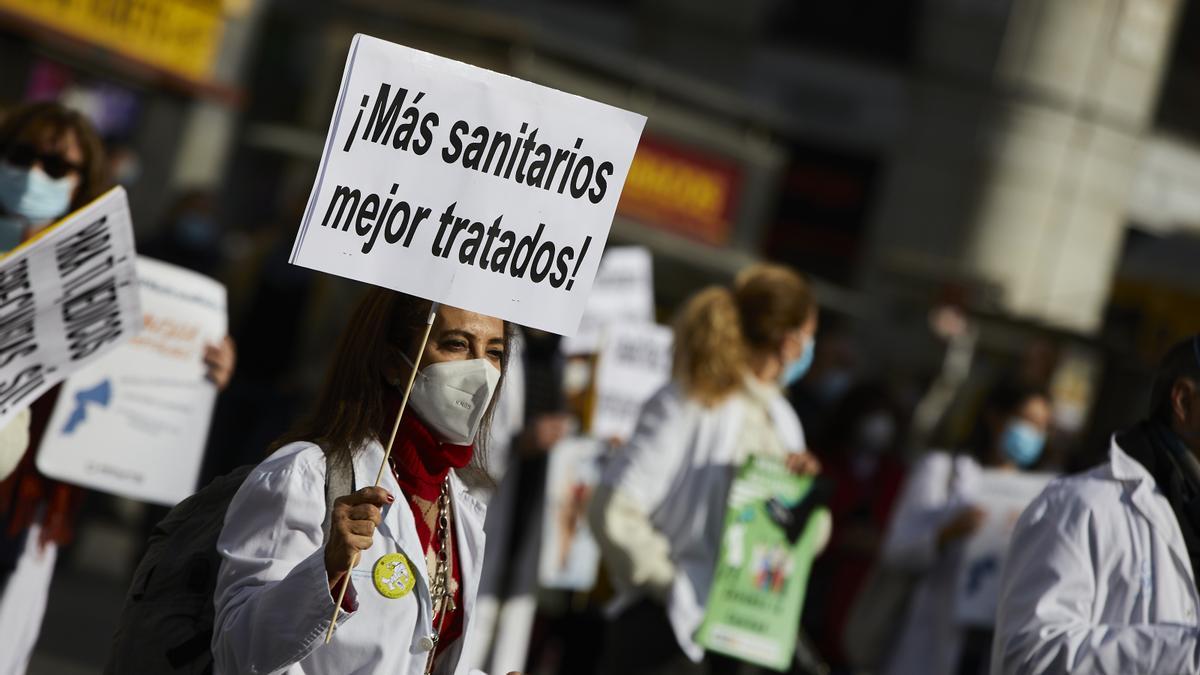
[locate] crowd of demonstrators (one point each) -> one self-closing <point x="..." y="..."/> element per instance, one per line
<point x="1101" y="572"/>
<point x="1099" y="579"/>
<point x="660" y="508"/>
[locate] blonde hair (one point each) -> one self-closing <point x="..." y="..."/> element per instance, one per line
<point x="719" y="328"/>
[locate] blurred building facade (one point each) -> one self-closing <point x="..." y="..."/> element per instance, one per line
<point x="160" y="80"/>
<point x="1013" y="157"/>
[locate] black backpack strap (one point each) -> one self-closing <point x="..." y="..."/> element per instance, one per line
<point x="339" y="482"/>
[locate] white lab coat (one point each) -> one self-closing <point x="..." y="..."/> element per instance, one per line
<point x="930" y="640"/>
<point x="273" y="603"/>
<point x="1098" y="581"/>
<point x="678" y="466"/>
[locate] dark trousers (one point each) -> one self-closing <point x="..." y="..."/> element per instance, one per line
<point x="640" y="641"/>
<point x="976" y="653"/>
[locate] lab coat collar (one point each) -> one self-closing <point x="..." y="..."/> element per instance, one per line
<point x="1143" y="486"/>
<point x="469" y="518"/>
<point x="398" y="526"/>
<point x="760" y="391"/>
<point x="1153" y="507"/>
<point x="781" y="413"/>
<point x="1126" y="468"/>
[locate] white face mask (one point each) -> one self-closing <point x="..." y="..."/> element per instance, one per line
<point x="452" y="396"/>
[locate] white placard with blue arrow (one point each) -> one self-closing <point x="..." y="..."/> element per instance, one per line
<point x="134" y="422"/>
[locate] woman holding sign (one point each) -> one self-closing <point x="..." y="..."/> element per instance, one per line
<point x="286" y="553"/>
<point x="659" y="512"/>
<point x="51" y="163"/>
<point x="937" y="512"/>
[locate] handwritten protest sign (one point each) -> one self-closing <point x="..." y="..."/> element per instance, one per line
<point x="623" y="292"/>
<point x="634" y="362"/>
<point x="134" y="423"/>
<point x="753" y="610"/>
<point x="465" y="186"/>
<point x="66" y="299"/>
<point x="1003" y="495"/>
<point x="569" y="556"/>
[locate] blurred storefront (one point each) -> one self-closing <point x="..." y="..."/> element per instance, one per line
<point x="159" y="78"/>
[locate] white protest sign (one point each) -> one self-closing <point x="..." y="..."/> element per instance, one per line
<point x="66" y="298"/>
<point x="623" y="292"/>
<point x="134" y="423"/>
<point x="570" y="557"/>
<point x="634" y="363"/>
<point x="1003" y="495"/>
<point x="465" y="186"/>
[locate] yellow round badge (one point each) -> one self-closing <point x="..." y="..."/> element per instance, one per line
<point x="394" y="577"/>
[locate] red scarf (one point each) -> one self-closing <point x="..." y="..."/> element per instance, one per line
<point x="419" y="460"/>
<point x="420" y="464"/>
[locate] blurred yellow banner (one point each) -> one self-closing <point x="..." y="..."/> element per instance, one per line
<point x="179" y="36"/>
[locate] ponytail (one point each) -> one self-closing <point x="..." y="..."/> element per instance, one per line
<point x="719" y="328"/>
<point x="710" y="352"/>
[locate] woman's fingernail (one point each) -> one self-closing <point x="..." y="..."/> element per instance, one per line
<point x="390" y="499"/>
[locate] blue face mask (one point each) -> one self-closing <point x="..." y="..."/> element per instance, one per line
<point x="32" y="195"/>
<point x="1022" y="443"/>
<point x="797" y="368"/>
<point x="196" y="230"/>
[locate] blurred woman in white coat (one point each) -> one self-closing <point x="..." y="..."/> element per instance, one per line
<point x="936" y="514"/>
<point x="660" y="509"/>
<point x="413" y="547"/>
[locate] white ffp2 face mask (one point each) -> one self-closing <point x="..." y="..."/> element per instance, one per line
<point x="452" y="396"/>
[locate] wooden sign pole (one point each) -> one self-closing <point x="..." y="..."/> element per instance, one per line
<point x="387" y="453"/>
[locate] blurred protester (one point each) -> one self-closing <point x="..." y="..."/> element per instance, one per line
<point x="660" y="508"/>
<point x="831" y="376"/>
<point x="859" y="453"/>
<point x="1100" y="577"/>
<point x="190" y="236"/>
<point x="952" y="325"/>
<point x="281" y="570"/>
<point x="936" y="514"/>
<point x="51" y="163"/>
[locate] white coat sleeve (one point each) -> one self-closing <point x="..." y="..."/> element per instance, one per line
<point x="912" y="539"/>
<point x="634" y="484"/>
<point x="272" y="601"/>
<point x="1044" y="622"/>
<point x="14" y="441"/>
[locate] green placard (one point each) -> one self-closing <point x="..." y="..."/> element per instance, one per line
<point x="753" y="611"/>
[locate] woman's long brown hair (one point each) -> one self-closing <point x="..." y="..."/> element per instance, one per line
<point x="36" y="122"/>
<point x="351" y="407"/>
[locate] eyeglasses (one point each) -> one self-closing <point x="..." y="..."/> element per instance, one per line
<point x="54" y="164"/>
